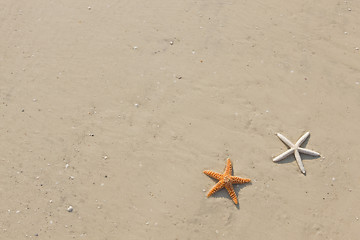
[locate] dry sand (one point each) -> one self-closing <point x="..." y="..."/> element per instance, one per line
<point x="139" y="97"/>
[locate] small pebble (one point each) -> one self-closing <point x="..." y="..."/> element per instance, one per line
<point x="147" y="223"/>
<point x="135" y="47"/>
<point x="356" y="48"/>
<point x="333" y="179"/>
<point x="70" y="209"/>
<point x="349" y="9"/>
<point x="136" y="105"/>
<point x="89" y="7"/>
<point x="72" y="177"/>
<point x="67" y="165"/>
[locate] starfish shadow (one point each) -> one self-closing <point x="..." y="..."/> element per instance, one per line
<point x="308" y="157"/>
<point x="290" y="159"/>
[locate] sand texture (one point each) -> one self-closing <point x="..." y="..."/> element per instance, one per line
<point x="117" y="107"/>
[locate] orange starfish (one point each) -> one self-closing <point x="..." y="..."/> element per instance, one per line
<point x="226" y="180"/>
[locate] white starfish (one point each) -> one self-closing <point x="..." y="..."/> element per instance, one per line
<point x="295" y="148"/>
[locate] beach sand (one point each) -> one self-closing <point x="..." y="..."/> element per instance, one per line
<point x="116" y="108"/>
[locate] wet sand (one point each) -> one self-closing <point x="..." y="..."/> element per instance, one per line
<point x="116" y="107"/>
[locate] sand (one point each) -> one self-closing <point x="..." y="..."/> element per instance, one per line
<point x="116" y="107"/>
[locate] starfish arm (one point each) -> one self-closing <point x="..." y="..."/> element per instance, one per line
<point x="216" y="188"/>
<point x="302" y="139"/>
<point x="232" y="193"/>
<point x="285" y="140"/>
<point x="299" y="161"/>
<point x="214" y="175"/>
<point x="283" y="155"/>
<point x="228" y="169"/>
<point x="239" y="180"/>
<point x="309" y="152"/>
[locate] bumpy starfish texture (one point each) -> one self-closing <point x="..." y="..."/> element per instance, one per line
<point x="296" y="150"/>
<point x="226" y="180"/>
